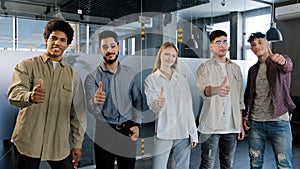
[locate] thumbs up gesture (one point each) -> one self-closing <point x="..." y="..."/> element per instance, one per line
<point x="277" y="58"/>
<point x="38" y="93"/>
<point x="224" y="88"/>
<point x="99" y="97"/>
<point x="161" y="100"/>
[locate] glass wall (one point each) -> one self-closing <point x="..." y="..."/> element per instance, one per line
<point x="7" y="33"/>
<point x="251" y="26"/>
<point x="29" y="34"/>
<point x="26" y="34"/>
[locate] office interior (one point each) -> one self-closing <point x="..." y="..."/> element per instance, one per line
<point x="143" y="25"/>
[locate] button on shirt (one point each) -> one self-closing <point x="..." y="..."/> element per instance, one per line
<point x="210" y="73"/>
<point x="175" y="120"/>
<point x="123" y="100"/>
<point x="42" y="130"/>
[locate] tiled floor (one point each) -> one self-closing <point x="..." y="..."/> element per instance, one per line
<point x="241" y="158"/>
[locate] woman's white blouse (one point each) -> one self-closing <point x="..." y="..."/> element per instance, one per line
<point x="175" y="120"/>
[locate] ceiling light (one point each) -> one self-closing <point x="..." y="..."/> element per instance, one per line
<point x="273" y="34"/>
<point x="191" y="42"/>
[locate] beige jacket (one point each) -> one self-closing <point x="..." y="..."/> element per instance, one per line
<point x="210" y="73"/>
<point x="43" y="130"/>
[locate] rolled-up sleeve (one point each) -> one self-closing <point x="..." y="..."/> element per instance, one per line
<point x="202" y="79"/>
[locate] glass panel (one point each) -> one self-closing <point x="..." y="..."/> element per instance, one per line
<point x="30" y="34"/>
<point x="251" y="24"/>
<point x="6" y="33"/>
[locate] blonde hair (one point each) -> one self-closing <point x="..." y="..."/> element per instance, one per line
<point x="165" y="45"/>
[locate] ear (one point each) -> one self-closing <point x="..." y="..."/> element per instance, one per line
<point x="118" y="47"/>
<point x="210" y="46"/>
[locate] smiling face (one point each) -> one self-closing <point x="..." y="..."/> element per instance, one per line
<point x="168" y="57"/>
<point x="259" y="47"/>
<point x="56" y="45"/>
<point x="109" y="50"/>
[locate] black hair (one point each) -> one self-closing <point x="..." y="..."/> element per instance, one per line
<point x="59" y="25"/>
<point x="217" y="33"/>
<point x="108" y="34"/>
<point x="255" y="35"/>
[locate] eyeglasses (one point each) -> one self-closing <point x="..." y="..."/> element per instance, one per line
<point x="106" y="46"/>
<point x="219" y="43"/>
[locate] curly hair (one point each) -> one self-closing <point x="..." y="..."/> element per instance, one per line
<point x="59" y="25"/>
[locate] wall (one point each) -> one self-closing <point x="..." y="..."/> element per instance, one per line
<point x="290" y="46"/>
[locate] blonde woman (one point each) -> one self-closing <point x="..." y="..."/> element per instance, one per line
<point x="169" y="97"/>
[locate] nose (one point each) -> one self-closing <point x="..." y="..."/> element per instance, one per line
<point x="57" y="42"/>
<point x="109" y="49"/>
<point x="256" y="46"/>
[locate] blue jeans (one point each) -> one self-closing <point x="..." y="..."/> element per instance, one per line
<point x="279" y="133"/>
<point x="225" y="143"/>
<point x="181" y="152"/>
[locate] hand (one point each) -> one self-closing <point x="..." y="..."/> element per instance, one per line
<point x="246" y="124"/>
<point x="76" y="155"/>
<point x="135" y="133"/>
<point x="99" y="97"/>
<point x="193" y="145"/>
<point x="241" y="135"/>
<point x="277" y="58"/>
<point x="224" y="89"/>
<point x="38" y="93"/>
<point x="161" y="100"/>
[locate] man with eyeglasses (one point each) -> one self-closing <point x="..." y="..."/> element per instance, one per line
<point x="220" y="84"/>
<point x="268" y="103"/>
<point x="114" y="98"/>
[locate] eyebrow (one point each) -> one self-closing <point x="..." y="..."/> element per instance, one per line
<point x="113" y="43"/>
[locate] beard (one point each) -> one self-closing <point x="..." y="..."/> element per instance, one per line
<point x="111" y="61"/>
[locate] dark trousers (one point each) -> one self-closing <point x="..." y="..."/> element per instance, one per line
<point x="111" y="145"/>
<point x="24" y="162"/>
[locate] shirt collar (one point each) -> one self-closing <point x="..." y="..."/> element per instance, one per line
<point x="213" y="58"/>
<point x="158" y="73"/>
<point x="46" y="58"/>
<point x="104" y="68"/>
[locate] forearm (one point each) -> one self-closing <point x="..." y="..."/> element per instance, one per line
<point x="210" y="91"/>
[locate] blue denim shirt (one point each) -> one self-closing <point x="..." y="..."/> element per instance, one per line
<point x="123" y="100"/>
<point x="279" y="78"/>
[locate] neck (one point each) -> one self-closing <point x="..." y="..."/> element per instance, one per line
<point x="221" y="59"/>
<point x="166" y="69"/>
<point x="167" y="72"/>
<point x="112" y="67"/>
<point x="262" y="59"/>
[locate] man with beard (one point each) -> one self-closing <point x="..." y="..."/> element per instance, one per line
<point x="114" y="98"/>
<point x="220" y="84"/>
<point x="49" y="94"/>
